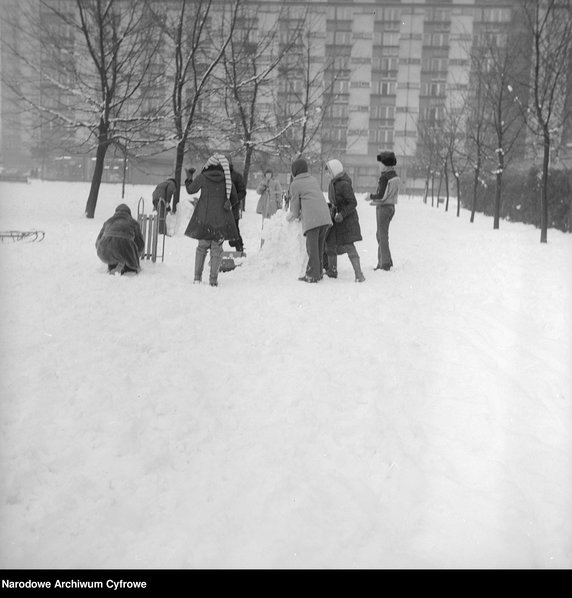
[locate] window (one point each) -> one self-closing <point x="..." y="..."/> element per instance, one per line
<point x="335" y="134"/>
<point x="339" y="38"/>
<point x="436" y="39"/>
<point x="384" y="88"/>
<point x="433" y="88"/>
<point x="382" y="112"/>
<point x="388" y="14"/>
<point x="436" y="65"/>
<point x="496" y="15"/>
<point x="385" y="63"/>
<point x="386" y="38"/>
<point x="381" y="136"/>
<point x="341" y="87"/>
<point x="337" y="111"/>
<point x="431" y="115"/>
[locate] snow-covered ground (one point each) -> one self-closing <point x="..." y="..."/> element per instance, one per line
<point x="422" y="419"/>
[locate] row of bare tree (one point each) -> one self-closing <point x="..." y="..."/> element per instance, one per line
<point x="519" y="89"/>
<point x="144" y="77"/>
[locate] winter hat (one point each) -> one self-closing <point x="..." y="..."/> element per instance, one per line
<point x="298" y="166"/>
<point x="334" y="167"/>
<point x="220" y="160"/>
<point x="387" y="158"/>
<point x="123" y="208"/>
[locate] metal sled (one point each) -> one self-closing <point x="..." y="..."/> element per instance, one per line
<point x="150" y="224"/>
<point x="21" y="235"/>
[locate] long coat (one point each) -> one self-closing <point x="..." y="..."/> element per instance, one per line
<point x="343" y="201"/>
<point x="212" y="217"/>
<point x="120" y="239"/>
<point x="270" y="197"/>
<point x="308" y="202"/>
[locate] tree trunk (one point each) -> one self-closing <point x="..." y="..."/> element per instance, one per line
<point x="458" y="182"/>
<point x="475" y="187"/>
<point x="97" y="173"/>
<point x="179" y="158"/>
<point x="498" y="189"/>
<point x="124" y="173"/>
<point x="426" y="190"/>
<point x="439" y="188"/>
<point x="544" y="190"/>
<point x="247" y="163"/>
<point x="446" y="187"/>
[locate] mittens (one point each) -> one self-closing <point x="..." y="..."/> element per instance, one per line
<point x="338" y="218"/>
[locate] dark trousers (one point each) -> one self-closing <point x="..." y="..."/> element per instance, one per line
<point x="315" y="246"/>
<point x="384" y="214"/>
<point x="238" y="244"/>
<point x="162" y="209"/>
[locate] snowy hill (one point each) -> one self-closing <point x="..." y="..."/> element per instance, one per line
<point x="422" y="419"/>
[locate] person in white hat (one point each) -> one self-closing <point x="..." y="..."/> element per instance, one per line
<point x="345" y="230"/>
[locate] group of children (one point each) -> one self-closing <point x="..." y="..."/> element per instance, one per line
<point x="330" y="228"/>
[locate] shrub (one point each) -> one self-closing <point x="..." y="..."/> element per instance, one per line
<point x="520" y="199"/>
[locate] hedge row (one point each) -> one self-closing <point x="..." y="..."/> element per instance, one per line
<point x="520" y="199"/>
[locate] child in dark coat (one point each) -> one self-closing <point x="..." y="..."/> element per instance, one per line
<point x="345" y="230"/>
<point x="120" y="242"/>
<point x="212" y="221"/>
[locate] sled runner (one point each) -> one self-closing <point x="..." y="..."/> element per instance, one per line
<point x="150" y="224"/>
<point x="228" y="262"/>
<point x="21" y="235"/>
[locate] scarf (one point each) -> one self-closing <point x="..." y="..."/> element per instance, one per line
<point x="222" y="161"/>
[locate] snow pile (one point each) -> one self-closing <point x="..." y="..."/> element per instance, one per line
<point x="283" y="247"/>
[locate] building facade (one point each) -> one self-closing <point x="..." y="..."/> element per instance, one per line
<point x="389" y="68"/>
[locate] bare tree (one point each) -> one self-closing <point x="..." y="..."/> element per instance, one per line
<point x="498" y="65"/>
<point x="251" y="62"/>
<point x="430" y="153"/>
<point x="477" y="131"/>
<point x="304" y="93"/>
<point x="86" y="60"/>
<point x="549" y="23"/>
<point x="199" y="32"/>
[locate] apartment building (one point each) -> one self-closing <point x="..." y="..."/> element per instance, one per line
<point x="389" y="68"/>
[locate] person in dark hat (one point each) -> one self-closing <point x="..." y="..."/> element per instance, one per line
<point x="315" y="215"/>
<point x="120" y="242"/>
<point x="384" y="200"/>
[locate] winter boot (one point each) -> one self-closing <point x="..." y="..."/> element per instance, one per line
<point x="332" y="270"/>
<point x="200" y="256"/>
<point x="354" y="259"/>
<point x="216" y="260"/>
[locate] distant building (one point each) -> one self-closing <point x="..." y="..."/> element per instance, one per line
<point x="391" y="68"/>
